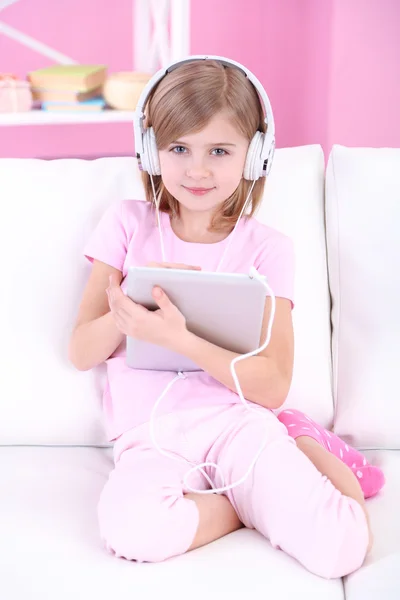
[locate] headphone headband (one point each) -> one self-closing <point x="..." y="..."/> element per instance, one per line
<point x="269" y="137"/>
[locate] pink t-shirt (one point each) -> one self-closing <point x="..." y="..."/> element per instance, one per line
<point x="127" y="235"/>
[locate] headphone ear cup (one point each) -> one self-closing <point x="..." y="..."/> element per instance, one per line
<point x="253" y="168"/>
<point x="150" y="160"/>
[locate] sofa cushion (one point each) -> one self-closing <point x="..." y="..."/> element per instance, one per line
<point x="294" y="204"/>
<point x="362" y="221"/>
<point x="379" y="577"/>
<point x="50" y="547"/>
<point x="49" y="209"/>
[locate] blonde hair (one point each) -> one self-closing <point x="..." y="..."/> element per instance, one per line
<point x="184" y="102"/>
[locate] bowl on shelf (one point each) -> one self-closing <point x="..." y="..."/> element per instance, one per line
<point x="15" y="94"/>
<point x="122" y="90"/>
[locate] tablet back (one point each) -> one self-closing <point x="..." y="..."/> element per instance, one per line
<point x="223" y="308"/>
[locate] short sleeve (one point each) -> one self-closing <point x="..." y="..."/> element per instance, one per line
<point x="277" y="263"/>
<point x="109" y="241"/>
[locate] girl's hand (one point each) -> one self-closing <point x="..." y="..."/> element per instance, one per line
<point x="164" y="327"/>
<point x="164" y="265"/>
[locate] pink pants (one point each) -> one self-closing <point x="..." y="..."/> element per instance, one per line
<point x="144" y="516"/>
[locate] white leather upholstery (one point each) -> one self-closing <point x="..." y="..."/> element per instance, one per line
<point x="294" y="204"/>
<point x="50" y="414"/>
<point x="379" y="577"/>
<point x="48" y="517"/>
<point x="363" y="225"/>
<point x="48" y="211"/>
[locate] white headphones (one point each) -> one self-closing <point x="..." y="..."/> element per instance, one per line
<point x="261" y="149"/>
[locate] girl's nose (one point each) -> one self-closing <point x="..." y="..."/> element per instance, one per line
<point x="197" y="171"/>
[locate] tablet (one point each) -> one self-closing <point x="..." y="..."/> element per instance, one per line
<point x="223" y="308"/>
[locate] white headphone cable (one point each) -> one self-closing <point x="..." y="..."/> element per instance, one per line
<point x="234" y="229"/>
<point x="157" y="205"/>
<point x="253" y="274"/>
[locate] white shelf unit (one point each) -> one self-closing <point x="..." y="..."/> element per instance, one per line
<point x="43" y="117"/>
<point x="160" y="32"/>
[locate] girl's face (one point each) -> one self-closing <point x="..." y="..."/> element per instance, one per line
<point x="203" y="169"/>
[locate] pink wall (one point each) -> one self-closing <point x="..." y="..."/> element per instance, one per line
<point x="286" y="45"/>
<point x="364" y="98"/>
<point x="329" y="67"/>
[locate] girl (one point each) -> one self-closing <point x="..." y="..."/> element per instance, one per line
<point x="305" y="495"/>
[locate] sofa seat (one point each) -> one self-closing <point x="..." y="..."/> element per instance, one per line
<point x="48" y="517"/>
<point x="379" y="576"/>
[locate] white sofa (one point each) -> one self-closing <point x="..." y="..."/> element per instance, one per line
<point x="54" y="457"/>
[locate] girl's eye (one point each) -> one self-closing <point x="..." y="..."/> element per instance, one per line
<point x="220" y="152"/>
<point x="182" y="150"/>
<point x="178" y="149"/>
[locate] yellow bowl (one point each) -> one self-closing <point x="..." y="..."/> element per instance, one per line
<point x="122" y="90"/>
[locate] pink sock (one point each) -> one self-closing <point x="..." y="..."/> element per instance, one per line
<point x="297" y="423"/>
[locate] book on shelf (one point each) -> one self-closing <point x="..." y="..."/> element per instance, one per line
<point x="92" y="105"/>
<point x="49" y="95"/>
<point x="81" y="78"/>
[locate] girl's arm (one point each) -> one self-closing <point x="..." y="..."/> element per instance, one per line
<point x="265" y="379"/>
<point x="95" y="336"/>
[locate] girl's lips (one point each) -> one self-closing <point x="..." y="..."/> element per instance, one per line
<point x="198" y="191"/>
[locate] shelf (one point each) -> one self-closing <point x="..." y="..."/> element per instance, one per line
<point x="42" y="117"/>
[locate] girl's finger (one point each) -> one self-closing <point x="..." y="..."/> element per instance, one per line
<point x="120" y="324"/>
<point x="131" y="312"/>
<point x="118" y="298"/>
<point x="123" y="314"/>
<point x="174" y="266"/>
<point x="187" y="267"/>
<point x="123" y="319"/>
<point x="182" y="266"/>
